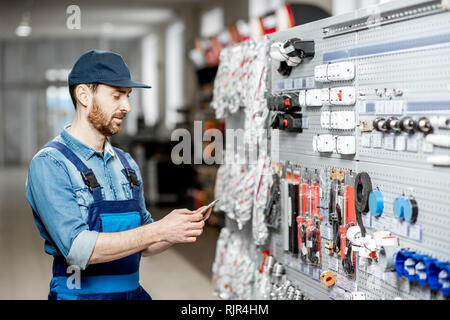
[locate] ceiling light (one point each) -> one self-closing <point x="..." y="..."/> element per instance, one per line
<point x="24" y="28"/>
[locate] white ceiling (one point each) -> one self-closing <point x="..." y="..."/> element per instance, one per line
<point x="121" y="18"/>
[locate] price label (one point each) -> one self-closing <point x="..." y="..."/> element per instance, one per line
<point x="304" y="250"/>
<point x="310" y="83"/>
<point x="400" y="143"/>
<point x="362" y="264"/>
<point x="397" y="107"/>
<point x="427" y="147"/>
<point x="377" y="223"/>
<point x="412" y="144"/>
<point x="379" y="107"/>
<point x="366" y="140"/>
<point x="415" y="232"/>
<point x="389" y="142"/>
<point x="401" y="228"/>
<point x="377" y="140"/>
<point x="387" y="222"/>
<point x="333" y="263"/>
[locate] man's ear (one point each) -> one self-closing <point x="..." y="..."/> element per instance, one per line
<point x="84" y="95"/>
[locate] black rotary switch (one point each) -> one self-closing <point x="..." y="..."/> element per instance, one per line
<point x="408" y="125"/>
<point x="424" y="125"/>
<point x="380" y="124"/>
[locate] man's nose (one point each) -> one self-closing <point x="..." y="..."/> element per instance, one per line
<point x="125" y="106"/>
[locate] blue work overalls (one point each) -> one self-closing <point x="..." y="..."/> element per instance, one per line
<point x="115" y="280"/>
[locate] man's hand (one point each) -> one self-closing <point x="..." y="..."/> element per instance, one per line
<point x="206" y="214"/>
<point x="182" y="225"/>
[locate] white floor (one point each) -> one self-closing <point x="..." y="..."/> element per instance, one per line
<point x="25" y="270"/>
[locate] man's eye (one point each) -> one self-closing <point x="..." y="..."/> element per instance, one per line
<point x="116" y="97"/>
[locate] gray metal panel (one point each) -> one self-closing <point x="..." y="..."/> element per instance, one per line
<point x="421" y="70"/>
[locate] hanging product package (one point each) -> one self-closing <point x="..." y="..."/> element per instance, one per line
<point x="264" y="182"/>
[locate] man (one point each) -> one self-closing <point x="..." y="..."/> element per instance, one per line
<point x="87" y="196"/>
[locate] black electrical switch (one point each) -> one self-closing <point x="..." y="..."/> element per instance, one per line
<point x="284" y="69"/>
<point x="292" y="122"/>
<point x="290" y="102"/>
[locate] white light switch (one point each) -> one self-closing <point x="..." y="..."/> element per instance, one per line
<point x="325" y="119"/>
<point x="320" y="73"/>
<point x="343" y="96"/>
<point x="325" y="143"/>
<point x="346" y="145"/>
<point x="341" y="71"/>
<point x="313" y="98"/>
<point x="325" y="96"/>
<point x="343" y="120"/>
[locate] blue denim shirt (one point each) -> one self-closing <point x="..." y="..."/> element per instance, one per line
<point x="56" y="192"/>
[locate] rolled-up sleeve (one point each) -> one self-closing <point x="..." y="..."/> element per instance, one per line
<point x="54" y="201"/>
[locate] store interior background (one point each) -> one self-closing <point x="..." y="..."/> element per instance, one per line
<point x="174" y="46"/>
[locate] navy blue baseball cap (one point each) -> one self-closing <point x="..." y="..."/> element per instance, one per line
<point x="106" y="67"/>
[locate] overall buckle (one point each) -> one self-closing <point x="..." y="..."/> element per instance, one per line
<point x="132" y="177"/>
<point x="89" y="179"/>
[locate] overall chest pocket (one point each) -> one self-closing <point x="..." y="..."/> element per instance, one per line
<point x="115" y="222"/>
<point x="127" y="190"/>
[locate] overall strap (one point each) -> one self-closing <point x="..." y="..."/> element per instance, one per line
<point x="87" y="174"/>
<point x="129" y="173"/>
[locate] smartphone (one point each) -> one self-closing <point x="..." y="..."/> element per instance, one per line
<point x="209" y="206"/>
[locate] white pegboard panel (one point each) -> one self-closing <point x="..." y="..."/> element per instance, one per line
<point x="419" y="68"/>
<point x="413" y="57"/>
<point x="430" y="189"/>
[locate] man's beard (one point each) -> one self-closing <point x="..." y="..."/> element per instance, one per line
<point x="102" y="122"/>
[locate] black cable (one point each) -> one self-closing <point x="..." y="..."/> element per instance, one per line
<point x="363" y="188"/>
<point x="347" y="262"/>
<point x="336" y="232"/>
